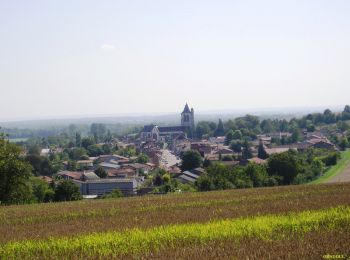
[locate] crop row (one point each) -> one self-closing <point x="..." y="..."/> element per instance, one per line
<point x="41" y="221"/>
<point x="138" y="242"/>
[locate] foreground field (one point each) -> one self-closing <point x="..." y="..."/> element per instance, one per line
<point x="251" y="223"/>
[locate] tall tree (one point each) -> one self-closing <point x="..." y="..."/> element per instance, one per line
<point x="14" y="174"/>
<point x="77" y="139"/>
<point x="247" y="152"/>
<point x="219" y="131"/>
<point x="261" y="151"/>
<point x="229" y="137"/>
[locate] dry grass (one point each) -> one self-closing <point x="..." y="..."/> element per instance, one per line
<point x="65" y="219"/>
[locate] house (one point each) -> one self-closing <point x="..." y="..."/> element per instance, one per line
<point x="151" y="165"/>
<point x="266" y="140"/>
<point x="85" y="164"/>
<point x="275" y="150"/>
<point x="174" y="170"/>
<point x="199" y="171"/>
<point x="321" y="142"/>
<point x="212" y="157"/>
<point x="88" y="176"/>
<point x="138" y="167"/>
<point x="223" y="151"/>
<point x="45" y="152"/>
<point x="69" y="175"/>
<point x="204" y="148"/>
<point x="107" y="166"/>
<point x="113" y="158"/>
<point x="257" y="160"/>
<point x="188" y="177"/>
<point x="100" y="187"/>
<point x="47" y="179"/>
<point x="217" y="140"/>
<point x="279" y="135"/>
<point x="82" y="176"/>
<point x="122" y="173"/>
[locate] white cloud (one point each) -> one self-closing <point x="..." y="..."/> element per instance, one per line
<point x="107" y="47"/>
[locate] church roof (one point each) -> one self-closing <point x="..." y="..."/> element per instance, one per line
<point x="148" y="128"/>
<point x="172" y="128"/>
<point x="186" y="109"/>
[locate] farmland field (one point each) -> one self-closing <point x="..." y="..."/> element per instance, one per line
<point x="307" y="221"/>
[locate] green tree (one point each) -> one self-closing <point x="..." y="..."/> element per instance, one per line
<point x="229" y="137"/>
<point x="14" y="175"/>
<point x="284" y="165"/>
<point x="344" y="143"/>
<point x="77" y="153"/>
<point x="237" y="135"/>
<point x="261" y="151"/>
<point x="42" y="166"/>
<point x="98" y="131"/>
<point x="236" y="146"/>
<point x="166" y="177"/>
<point x="346" y="113"/>
<point x="219" y="131"/>
<point x="247" y="152"/>
<point x="190" y="160"/>
<point x="41" y="190"/>
<point x="77" y="139"/>
<point x="203" y="128"/>
<point x="94" y="150"/>
<point x="86" y="142"/>
<point x="142" y="158"/>
<point x="100" y="172"/>
<point x="67" y="191"/>
<point x="257" y="173"/>
<point x="295" y="135"/>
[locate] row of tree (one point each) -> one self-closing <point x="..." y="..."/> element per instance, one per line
<point x="249" y="126"/>
<point x="281" y="169"/>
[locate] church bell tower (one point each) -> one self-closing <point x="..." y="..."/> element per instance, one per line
<point x="187" y="117"/>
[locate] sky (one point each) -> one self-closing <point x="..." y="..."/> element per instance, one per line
<point x="70" y="57"/>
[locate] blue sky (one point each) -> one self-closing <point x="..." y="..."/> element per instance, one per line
<point x="109" y="57"/>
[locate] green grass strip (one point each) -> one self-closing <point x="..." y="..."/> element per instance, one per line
<point x="137" y="242"/>
<point x="336" y="169"/>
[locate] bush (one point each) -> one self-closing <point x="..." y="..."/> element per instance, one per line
<point x="330" y="159"/>
<point x="67" y="191"/>
<point x="114" y="194"/>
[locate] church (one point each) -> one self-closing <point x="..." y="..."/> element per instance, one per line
<point x="170" y="133"/>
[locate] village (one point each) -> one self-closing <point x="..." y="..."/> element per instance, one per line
<point x="159" y="150"/>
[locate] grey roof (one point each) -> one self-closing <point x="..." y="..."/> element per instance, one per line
<point x="109" y="165"/>
<point x="121" y="180"/>
<point x="186" y="109"/>
<point x="172" y="128"/>
<point x="148" y="128"/>
<point x="90" y="176"/>
<point x="190" y="174"/>
<point x="187" y="178"/>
